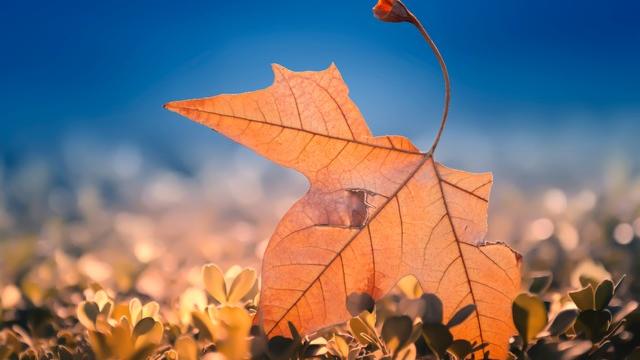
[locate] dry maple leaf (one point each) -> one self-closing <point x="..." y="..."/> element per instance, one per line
<point x="377" y="209"/>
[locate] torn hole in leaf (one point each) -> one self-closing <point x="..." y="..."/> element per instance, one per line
<point x="358" y="207"/>
<point x="360" y="202"/>
<point x="345" y="208"/>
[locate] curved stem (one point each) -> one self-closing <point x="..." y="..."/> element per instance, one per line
<point x="445" y="74"/>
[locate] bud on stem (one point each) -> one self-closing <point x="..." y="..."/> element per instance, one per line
<point x="396" y="11"/>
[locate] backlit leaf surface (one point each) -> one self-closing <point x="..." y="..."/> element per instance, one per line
<point x="377" y="209"/>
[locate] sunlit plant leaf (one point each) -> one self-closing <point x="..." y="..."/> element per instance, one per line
<point x="584" y="298"/>
<point x="562" y="322"/>
<point x="143" y="326"/>
<point x="593" y="324"/>
<point x="396" y="331"/>
<point x="214" y="282"/>
<point x="460" y="348"/>
<point x="540" y="282"/>
<point x="338" y="346"/>
<point x="529" y="315"/>
<point x="604" y="294"/>
<point x="236" y="322"/>
<point x="87" y="313"/>
<point x="362" y="329"/>
<point x="438" y="338"/>
<point x="433" y="309"/>
<point x="406" y="353"/>
<point x="186" y="348"/>
<point x="241" y="285"/>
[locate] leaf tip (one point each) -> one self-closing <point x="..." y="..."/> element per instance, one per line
<point x="171" y="106"/>
<point x="277" y="68"/>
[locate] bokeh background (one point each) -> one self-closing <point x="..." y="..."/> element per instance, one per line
<point x="99" y="183"/>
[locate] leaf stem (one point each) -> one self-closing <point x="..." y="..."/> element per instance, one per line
<point x="445" y="75"/>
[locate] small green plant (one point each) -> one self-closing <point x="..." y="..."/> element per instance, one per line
<point x="585" y="326"/>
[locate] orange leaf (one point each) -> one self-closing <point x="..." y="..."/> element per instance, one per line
<point x="377" y="210"/>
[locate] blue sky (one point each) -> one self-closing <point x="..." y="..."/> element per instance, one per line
<point x="521" y="70"/>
